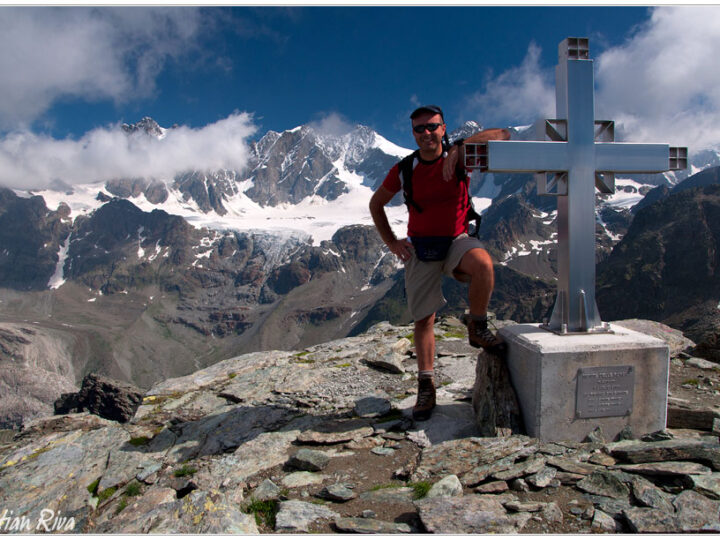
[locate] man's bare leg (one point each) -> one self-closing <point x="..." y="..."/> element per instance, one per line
<point x="425" y="353"/>
<point x="477" y="265"/>
<point x="425" y="343"/>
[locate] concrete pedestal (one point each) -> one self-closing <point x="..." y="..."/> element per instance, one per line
<point x="569" y="385"/>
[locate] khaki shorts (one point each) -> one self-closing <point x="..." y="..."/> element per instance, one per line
<point x="423" y="280"/>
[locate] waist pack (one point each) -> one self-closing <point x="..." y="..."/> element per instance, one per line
<point x="431" y="248"/>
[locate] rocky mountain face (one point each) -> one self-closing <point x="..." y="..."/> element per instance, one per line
<point x="290" y="166"/>
<point x="666" y="266"/>
<point x="36" y="366"/>
<point x="147" y="283"/>
<point x="30" y="239"/>
<point x="320" y="440"/>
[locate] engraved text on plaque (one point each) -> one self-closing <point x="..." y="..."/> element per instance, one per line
<point x="605" y="391"/>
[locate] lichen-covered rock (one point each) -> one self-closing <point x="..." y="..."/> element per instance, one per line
<point x="648" y="495"/>
<point x="463" y="455"/>
<point x="337" y="492"/>
<point x="297" y="516"/>
<point x="387" y="359"/>
<point x="703" y="450"/>
<point x="542" y="478"/>
<point x="604" y="484"/>
<point x="449" y="486"/>
<point x="473" y="514"/>
<point x="336" y="432"/>
<point x="650" y="520"/>
<point x="674" y="338"/>
<point x="309" y="460"/>
<point x="370" y="526"/>
<point x="266" y="491"/>
<point x="58" y="473"/>
<point x="601" y="521"/>
<point x="707" y="484"/>
<point x="696" y="513"/>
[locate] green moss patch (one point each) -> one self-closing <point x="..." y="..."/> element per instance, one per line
<point x="264" y="511"/>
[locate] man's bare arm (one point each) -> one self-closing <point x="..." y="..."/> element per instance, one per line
<point x="377" y="210"/>
<point x="493" y="134"/>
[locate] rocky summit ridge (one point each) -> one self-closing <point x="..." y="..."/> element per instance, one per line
<point x="320" y="440"/>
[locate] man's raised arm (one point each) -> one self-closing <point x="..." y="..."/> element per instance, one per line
<point x="493" y="134"/>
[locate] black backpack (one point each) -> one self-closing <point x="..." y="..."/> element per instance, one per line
<point x="406" y="167"/>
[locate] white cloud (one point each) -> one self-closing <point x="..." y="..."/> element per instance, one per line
<point x="660" y="85"/>
<point x="31" y="161"/>
<point x="53" y="53"/>
<point x="663" y="85"/>
<point x="48" y="54"/>
<point x="517" y="96"/>
<point x="332" y="124"/>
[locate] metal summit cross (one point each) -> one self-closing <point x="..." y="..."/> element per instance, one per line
<point x="579" y="156"/>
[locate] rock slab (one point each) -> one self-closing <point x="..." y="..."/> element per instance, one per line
<point x="473" y="514"/>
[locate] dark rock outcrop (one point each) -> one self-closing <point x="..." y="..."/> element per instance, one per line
<point x="497" y="410"/>
<point x="113" y="400"/>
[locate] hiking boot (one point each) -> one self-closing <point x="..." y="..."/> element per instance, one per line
<point x="479" y="335"/>
<point x="425" y="399"/>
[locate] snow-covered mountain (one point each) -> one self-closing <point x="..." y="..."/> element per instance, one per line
<point x="300" y="180"/>
<point x="305" y="183"/>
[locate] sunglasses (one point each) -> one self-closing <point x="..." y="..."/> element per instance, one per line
<point x="420" y="128"/>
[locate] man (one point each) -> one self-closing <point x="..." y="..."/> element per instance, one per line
<point x="438" y="216"/>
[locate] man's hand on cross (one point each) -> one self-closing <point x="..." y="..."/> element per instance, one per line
<point x="454" y="154"/>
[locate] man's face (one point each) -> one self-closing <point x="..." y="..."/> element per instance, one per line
<point x="429" y="142"/>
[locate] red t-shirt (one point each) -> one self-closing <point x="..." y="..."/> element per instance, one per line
<point x="444" y="204"/>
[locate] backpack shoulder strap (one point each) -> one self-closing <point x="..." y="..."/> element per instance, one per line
<point x="405" y="170"/>
<point x="472" y="214"/>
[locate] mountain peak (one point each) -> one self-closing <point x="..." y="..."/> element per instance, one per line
<point x="146" y="125"/>
<point x="468" y="128"/>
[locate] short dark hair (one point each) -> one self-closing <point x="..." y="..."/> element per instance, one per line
<point x="434" y="109"/>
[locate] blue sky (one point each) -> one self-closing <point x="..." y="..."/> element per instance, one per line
<point x="71" y="74"/>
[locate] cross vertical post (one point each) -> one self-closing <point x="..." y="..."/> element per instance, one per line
<point x="575" y="304"/>
<point x="580" y="156"/>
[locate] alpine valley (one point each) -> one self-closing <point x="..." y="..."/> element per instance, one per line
<point x="146" y="279"/>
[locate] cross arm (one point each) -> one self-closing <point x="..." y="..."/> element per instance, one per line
<point x="632" y="157"/>
<point x="527" y="156"/>
<point x="517" y="156"/>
